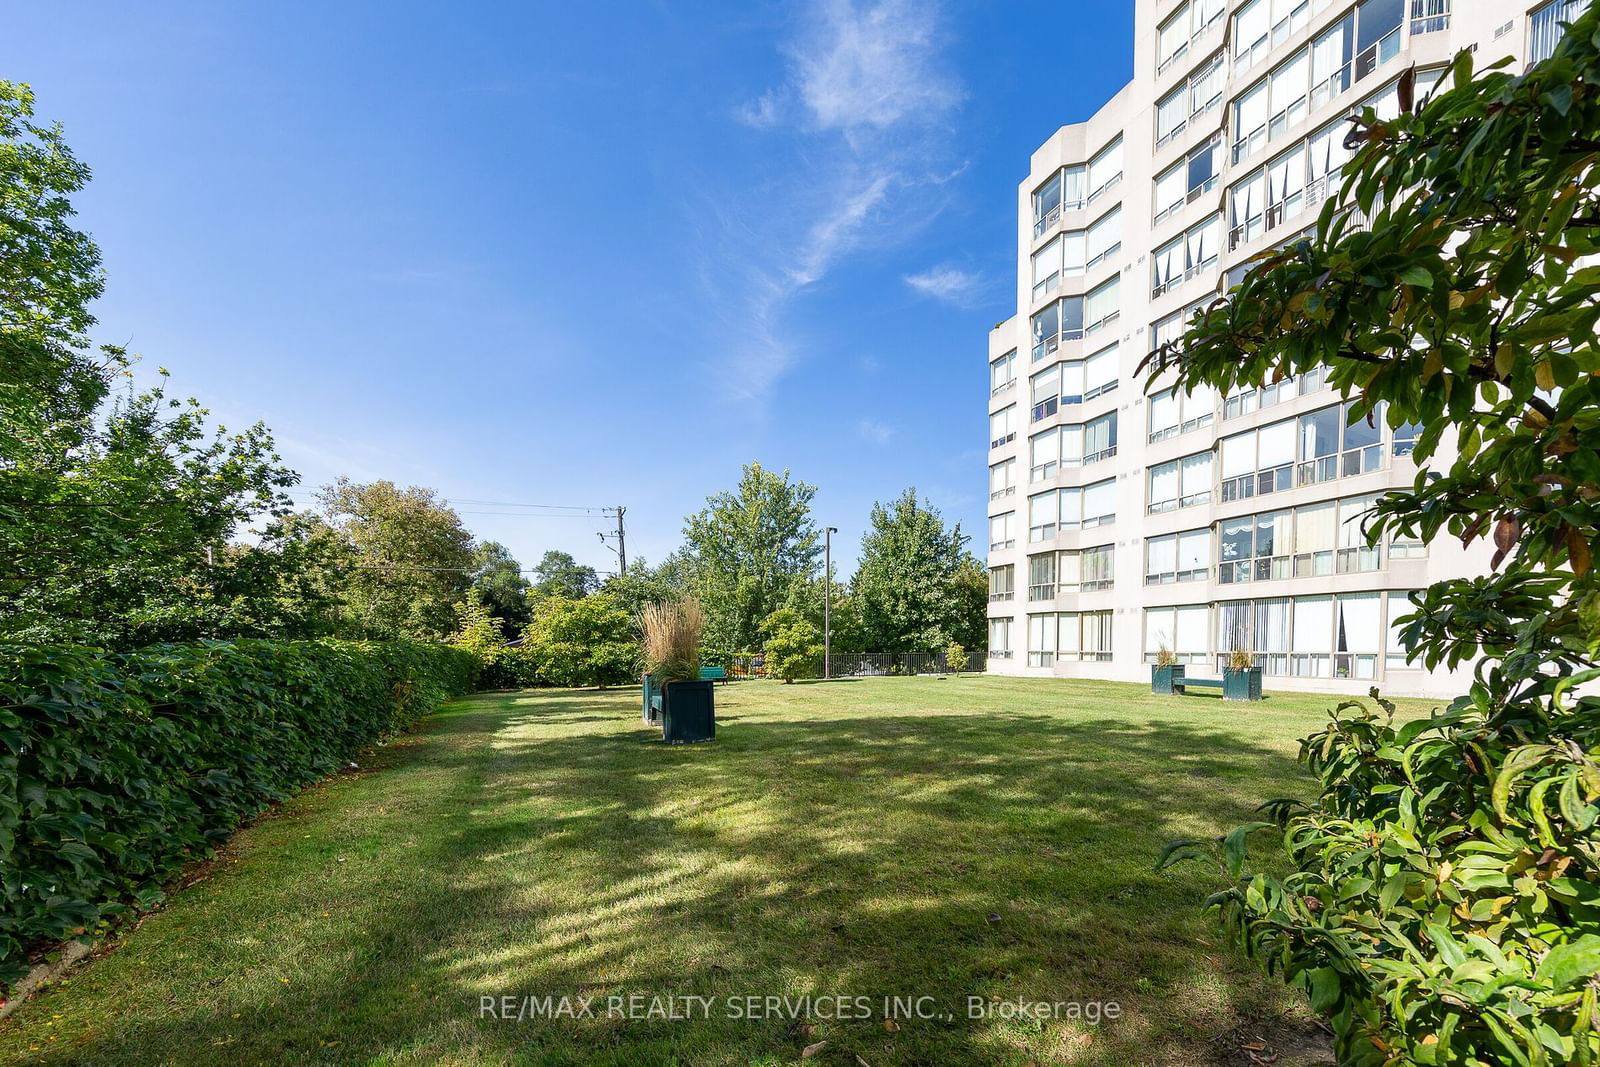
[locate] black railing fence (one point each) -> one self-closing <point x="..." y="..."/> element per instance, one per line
<point x="866" y="665"/>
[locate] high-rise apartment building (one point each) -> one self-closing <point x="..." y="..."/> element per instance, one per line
<point x="1124" y="518"/>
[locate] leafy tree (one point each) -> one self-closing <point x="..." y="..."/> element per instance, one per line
<point x="643" y="584"/>
<point x="114" y="522"/>
<point x="955" y="657"/>
<point x="412" y="558"/>
<point x="793" y="646"/>
<point x="584" y="642"/>
<point x="747" y="550"/>
<point x="909" y="579"/>
<point x="497" y="580"/>
<point x="1443" y="906"/>
<point x="805" y="598"/>
<point x="558" y="574"/>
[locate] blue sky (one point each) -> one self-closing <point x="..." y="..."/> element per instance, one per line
<point x="574" y="253"/>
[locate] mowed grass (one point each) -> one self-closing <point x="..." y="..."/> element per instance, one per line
<point x="931" y="838"/>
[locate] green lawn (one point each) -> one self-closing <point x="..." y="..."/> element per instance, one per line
<point x="893" y="837"/>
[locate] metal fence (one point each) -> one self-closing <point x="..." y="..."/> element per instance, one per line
<point x="866" y="665"/>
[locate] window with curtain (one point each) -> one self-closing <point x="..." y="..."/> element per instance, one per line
<point x="1041" y="640"/>
<point x="1100" y="372"/>
<point x="1002" y="478"/>
<point x="1286" y="186"/>
<point x="1042" y="576"/>
<point x="1100" y="305"/>
<point x="1069" y="571"/>
<point x="1096" y="635"/>
<point x="1002" y="531"/>
<point x="1159" y="624"/>
<point x="1073" y="182"/>
<point x="1196" y="478"/>
<point x="1042" y="516"/>
<point x="1357" y="635"/>
<point x="1161" y="560"/>
<point x="1250" y="114"/>
<point x="1172" y="37"/>
<point x="1331" y="54"/>
<point x="1097" y="571"/>
<point x="1205" y="85"/>
<point x="1105" y="168"/>
<point x="1291" y="83"/>
<point x="1163" y="486"/>
<point x="1047" y="268"/>
<point x="1325" y="160"/>
<point x="1100" y="438"/>
<point x="1046" y="329"/>
<point x="1289" y="16"/>
<point x="1313" y="636"/>
<point x="1204" y="12"/>
<point x="1046" y="385"/>
<point x="999" y="638"/>
<point x="1072" y="445"/>
<point x="1002" y="372"/>
<point x="1314" y="538"/>
<point x="1171" y="188"/>
<point x="1104" y="236"/>
<point x="1071" y="508"/>
<point x="1274" y="542"/>
<point x="1319" y="446"/>
<point x="1172" y="114"/>
<point x="1072" y="382"/>
<point x="1163" y="415"/>
<point x="1002" y="582"/>
<point x="1545" y="27"/>
<point x="1166" y="267"/>
<point x="1044" y="453"/>
<point x="1100" y="503"/>
<point x="1072" y="255"/>
<point x="1000" y="429"/>
<point x="1191" y="632"/>
<point x="1046" y="204"/>
<point x="1354" y="552"/>
<point x="1252" y="22"/>
<point x="1203" y="244"/>
<point x="1069" y="642"/>
<point x="1270" y="634"/>
<point x="1233" y="626"/>
<point x="1234" y="552"/>
<point x="1247" y="205"/>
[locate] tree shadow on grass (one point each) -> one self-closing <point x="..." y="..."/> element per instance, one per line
<point x="903" y="854"/>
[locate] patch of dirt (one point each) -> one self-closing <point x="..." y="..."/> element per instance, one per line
<point x="1278" y="1043"/>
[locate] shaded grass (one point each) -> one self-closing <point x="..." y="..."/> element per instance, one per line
<point x="914" y="837"/>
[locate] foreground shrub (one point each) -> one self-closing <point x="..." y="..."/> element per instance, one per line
<point x="794" y="646"/>
<point x="1444" y="904"/>
<point x="585" y="642"/>
<point x="117" y="768"/>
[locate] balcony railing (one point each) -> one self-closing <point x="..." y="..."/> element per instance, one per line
<point x="1096" y="457"/>
<point x="1044" y="591"/>
<point x="1258" y="483"/>
<point x="1007" y="594"/>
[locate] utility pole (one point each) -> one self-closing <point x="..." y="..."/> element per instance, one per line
<point x="622" y="542"/>
<point x="827" y="601"/>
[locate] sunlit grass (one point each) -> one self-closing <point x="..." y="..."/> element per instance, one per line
<point x="915" y="837"/>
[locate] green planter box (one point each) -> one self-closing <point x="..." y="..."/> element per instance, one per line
<point x="1241" y="684"/>
<point x="688" y="712"/>
<point x="1162" y="678"/>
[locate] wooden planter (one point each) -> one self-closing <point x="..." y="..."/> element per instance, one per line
<point x="688" y="712"/>
<point x="1241" y="684"/>
<point x="1162" y="678"/>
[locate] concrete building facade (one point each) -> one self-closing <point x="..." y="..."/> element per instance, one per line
<point x="1124" y="518"/>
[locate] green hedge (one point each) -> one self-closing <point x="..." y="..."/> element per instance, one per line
<point x="117" y="768"/>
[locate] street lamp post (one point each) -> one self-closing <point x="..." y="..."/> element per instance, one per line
<point x="827" y="601"/>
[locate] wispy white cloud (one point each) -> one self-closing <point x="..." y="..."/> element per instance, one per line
<point x="949" y="284"/>
<point x="874" y="432"/>
<point x="866" y="101"/>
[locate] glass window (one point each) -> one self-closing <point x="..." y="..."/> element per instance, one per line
<point x="1042" y="517"/>
<point x="1164" y="486"/>
<point x="1313" y="636"/>
<point x="1100" y="503"/>
<point x="1205" y="85"/>
<point x="1194" y="555"/>
<point x="1002" y="478"/>
<point x="1202" y="166"/>
<point x="1314" y="539"/>
<point x="1042" y="576"/>
<point x="1172" y="38"/>
<point x="1548" y="24"/>
<point x="1097" y="567"/>
<point x="1396" y="655"/>
<point x="1251" y="25"/>
<point x="1100" y="438"/>
<point x="1331" y="54"/>
<point x="1105" y="168"/>
<point x="1377" y="33"/>
<point x="1100" y="372"/>
<point x="1044" y="454"/>
<point x="1291" y="82"/>
<point x="1003" y="371"/>
<point x="1171" y="188"/>
<point x="1000" y="426"/>
<point x="1163" y="414"/>
<point x="1250" y="114"/>
<point x="1002" y="531"/>
<point x="1101" y="305"/>
<point x="999" y="638"/>
<point x="1041" y="640"/>
<point x="1196" y="475"/>
<point x="1104" y="236"/>
<point x="1047" y="267"/>
<point x="1002" y="582"/>
<point x="1160" y="559"/>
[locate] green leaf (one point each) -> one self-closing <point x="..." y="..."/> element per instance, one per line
<point x="1567" y="964"/>
<point x="1417" y="276"/>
